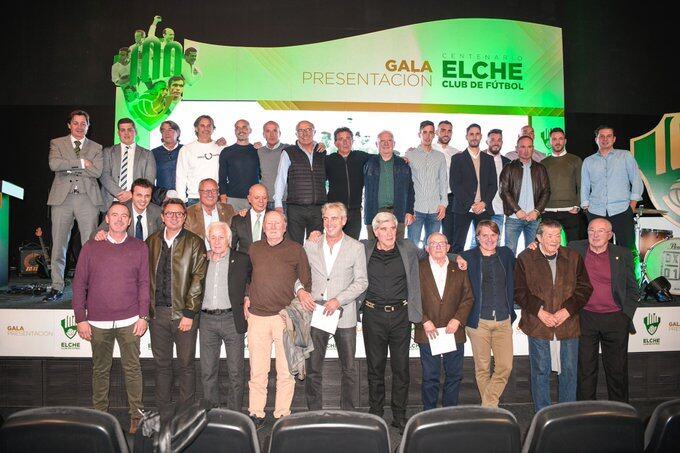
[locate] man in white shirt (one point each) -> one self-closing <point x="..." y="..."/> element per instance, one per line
<point x="123" y="164"/>
<point x="197" y="161"/>
<point x="494" y="143"/>
<point x="190" y="70"/>
<point x="120" y="70"/>
<point x="248" y="229"/>
<point x="444" y="134"/>
<point x="339" y="277"/>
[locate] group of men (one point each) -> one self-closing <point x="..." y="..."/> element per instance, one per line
<point x="257" y="275"/>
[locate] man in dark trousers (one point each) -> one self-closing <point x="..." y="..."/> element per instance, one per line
<point x="473" y="185"/>
<point x="607" y="318"/>
<point x="392" y="302"/>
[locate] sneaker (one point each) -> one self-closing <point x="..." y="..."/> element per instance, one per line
<point x="258" y="422"/>
<point x="53" y="295"/>
<point x="134" y="425"/>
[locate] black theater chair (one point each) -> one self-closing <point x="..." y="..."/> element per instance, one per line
<point x="62" y="430"/>
<point x="462" y="429"/>
<point x="227" y="431"/>
<point x="663" y="430"/>
<point x="330" y="432"/>
<point x="585" y="427"/>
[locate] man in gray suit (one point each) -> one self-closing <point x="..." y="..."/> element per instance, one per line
<point x="392" y="302"/>
<point x="123" y="163"/>
<point x="338" y="278"/>
<point x="77" y="163"/>
<point x="146" y="216"/>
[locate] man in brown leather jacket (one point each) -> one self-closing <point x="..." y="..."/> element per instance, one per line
<point x="551" y="286"/>
<point x="177" y="267"/>
<point x="525" y="190"/>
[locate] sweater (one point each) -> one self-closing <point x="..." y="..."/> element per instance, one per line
<point x="111" y="281"/>
<point x="239" y="169"/>
<point x="564" y="174"/>
<point x="275" y="271"/>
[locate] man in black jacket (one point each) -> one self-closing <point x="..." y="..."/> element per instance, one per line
<point x="473" y="185"/>
<point x="606" y="320"/>
<point x="345" y="174"/>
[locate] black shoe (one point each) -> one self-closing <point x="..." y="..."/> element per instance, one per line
<point x="53" y="296"/>
<point x="258" y="421"/>
<point x="400" y="424"/>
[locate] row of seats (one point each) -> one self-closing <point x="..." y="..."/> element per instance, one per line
<point x="589" y="426"/>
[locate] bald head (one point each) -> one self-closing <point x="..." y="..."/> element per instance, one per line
<point x="258" y="197"/>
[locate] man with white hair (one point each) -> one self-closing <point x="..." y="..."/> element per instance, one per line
<point x="391" y="303"/>
<point x="338" y="279"/>
<point x="222" y="319"/>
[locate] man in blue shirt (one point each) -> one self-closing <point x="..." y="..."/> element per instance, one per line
<point x="166" y="156"/>
<point x="239" y="168"/>
<point x="611" y="186"/>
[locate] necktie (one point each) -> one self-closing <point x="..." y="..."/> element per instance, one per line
<point x="123" y="169"/>
<point x="139" y="232"/>
<point x="77" y="148"/>
<point x="257" y="229"/>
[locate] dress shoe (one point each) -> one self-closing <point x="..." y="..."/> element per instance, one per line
<point x="53" y="296"/>
<point x="258" y="421"/>
<point x="400" y="424"/>
<point x="134" y="425"/>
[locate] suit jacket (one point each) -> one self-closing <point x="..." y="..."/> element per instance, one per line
<point x="240" y="270"/>
<point x="346" y="281"/>
<point x="456" y="303"/>
<point x="463" y="181"/>
<point x="534" y="289"/>
<point x="409" y="255"/>
<point x="68" y="172"/>
<point x="144" y="166"/>
<point x="242" y="232"/>
<point x="624" y="286"/>
<point x="195" y="222"/>
<point x="153" y="220"/>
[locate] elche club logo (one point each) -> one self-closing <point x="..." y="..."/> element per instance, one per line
<point x="652" y="322"/>
<point x="68" y="325"/>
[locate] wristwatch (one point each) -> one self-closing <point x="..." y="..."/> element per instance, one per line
<point x="145" y="318"/>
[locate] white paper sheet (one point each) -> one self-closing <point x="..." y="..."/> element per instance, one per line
<point x="326" y="323"/>
<point x="445" y="342"/>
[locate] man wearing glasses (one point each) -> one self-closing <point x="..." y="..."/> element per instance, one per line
<point x="302" y="172"/>
<point x="207" y="210"/>
<point x="177" y="267"/>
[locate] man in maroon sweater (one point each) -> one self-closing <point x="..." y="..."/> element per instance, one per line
<point x="111" y="303"/>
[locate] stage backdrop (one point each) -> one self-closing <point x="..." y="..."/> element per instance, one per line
<point x="498" y="73"/>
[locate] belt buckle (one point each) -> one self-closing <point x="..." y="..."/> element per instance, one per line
<point x="390" y="308"/>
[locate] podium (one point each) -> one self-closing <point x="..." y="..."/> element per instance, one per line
<point x="7" y="189"/>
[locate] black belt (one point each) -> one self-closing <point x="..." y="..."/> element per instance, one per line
<point x="218" y="311"/>
<point x="385" y="308"/>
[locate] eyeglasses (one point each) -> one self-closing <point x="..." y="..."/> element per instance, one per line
<point x="174" y="214"/>
<point x="308" y="130"/>
<point x="438" y="244"/>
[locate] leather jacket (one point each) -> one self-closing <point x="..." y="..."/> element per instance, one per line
<point x="511" y="183"/>
<point x="188" y="265"/>
<point x="534" y="289"/>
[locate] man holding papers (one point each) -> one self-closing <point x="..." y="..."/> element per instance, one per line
<point x="338" y="267"/>
<point x="446" y="296"/>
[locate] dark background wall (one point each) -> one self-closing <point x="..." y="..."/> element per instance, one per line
<point x="619" y="63"/>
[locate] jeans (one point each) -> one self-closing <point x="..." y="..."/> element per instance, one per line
<point x="164" y="334"/>
<point x="539" y="357"/>
<point x="453" y="370"/>
<point x="428" y="221"/>
<point x="302" y="220"/>
<point x="498" y="219"/>
<point x="461" y="228"/>
<point x="346" y="343"/>
<point x="215" y="330"/>
<point x="515" y="227"/>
